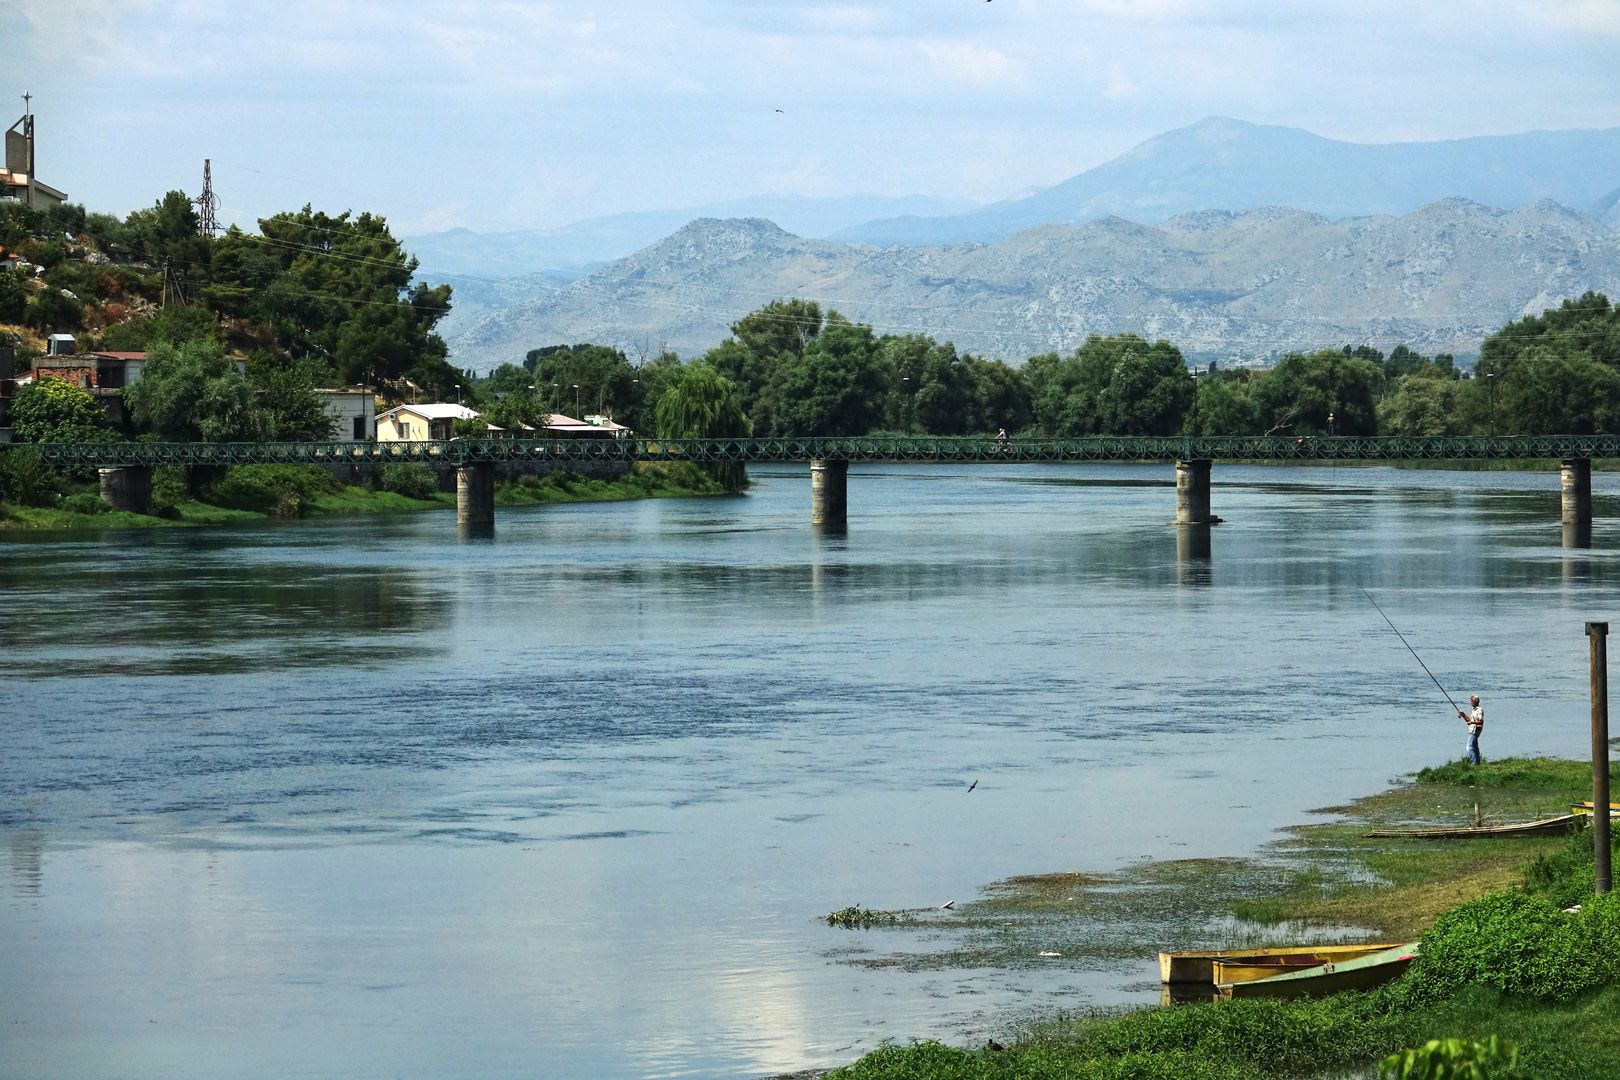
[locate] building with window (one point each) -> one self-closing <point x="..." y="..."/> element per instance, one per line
<point x="353" y="412"/>
<point x="413" y="423"/>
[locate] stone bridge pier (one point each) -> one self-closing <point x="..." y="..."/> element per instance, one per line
<point x="475" y="494"/>
<point x="1575" y="483"/>
<point x="1192" y="493"/>
<point x="127" y="487"/>
<point x="829" y="491"/>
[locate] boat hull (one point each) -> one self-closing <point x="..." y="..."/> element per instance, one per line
<point x="1361" y="973"/>
<point x="1199" y="967"/>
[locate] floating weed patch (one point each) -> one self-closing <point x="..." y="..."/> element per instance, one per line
<point x="856" y="917"/>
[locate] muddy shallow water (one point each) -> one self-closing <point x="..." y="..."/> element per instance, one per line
<point x="362" y="798"/>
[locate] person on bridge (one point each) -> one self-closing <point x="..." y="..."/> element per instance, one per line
<point x="1001" y="434"/>
<point x="1476" y="724"/>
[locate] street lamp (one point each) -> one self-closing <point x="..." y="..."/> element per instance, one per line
<point x="1330" y="425"/>
<point x="1490" y="386"/>
<point x="458" y="393"/>
<point x="576" y="401"/>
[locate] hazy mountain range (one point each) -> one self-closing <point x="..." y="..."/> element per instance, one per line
<point x="1221" y="164"/>
<point x="1248" y="239"/>
<point x="1244" y="285"/>
<point x="571" y="250"/>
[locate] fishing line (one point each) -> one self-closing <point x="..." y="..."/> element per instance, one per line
<point x="1408" y="645"/>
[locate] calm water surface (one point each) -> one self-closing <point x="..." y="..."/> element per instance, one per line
<point x="367" y="799"/>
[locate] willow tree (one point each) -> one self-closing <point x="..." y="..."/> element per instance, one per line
<point x="701" y="403"/>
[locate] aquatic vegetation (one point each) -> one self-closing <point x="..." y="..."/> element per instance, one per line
<point x="856" y="917"/>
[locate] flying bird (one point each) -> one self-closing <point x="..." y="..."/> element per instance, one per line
<point x="778" y="110"/>
<point x="973" y="785"/>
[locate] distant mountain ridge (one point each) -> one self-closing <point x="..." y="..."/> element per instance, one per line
<point x="573" y="249"/>
<point x="1226" y="164"/>
<point x="1217" y="283"/>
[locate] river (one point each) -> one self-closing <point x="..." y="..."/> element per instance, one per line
<point x="364" y="798"/>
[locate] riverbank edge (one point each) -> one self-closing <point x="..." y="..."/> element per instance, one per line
<point x="662" y="482"/>
<point x="1316" y="874"/>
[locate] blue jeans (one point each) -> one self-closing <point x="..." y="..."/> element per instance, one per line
<point x="1472" y="753"/>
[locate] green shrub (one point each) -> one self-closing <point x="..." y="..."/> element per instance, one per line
<point x="85" y="503"/>
<point x="1454" y="1059"/>
<point x="26" y="480"/>
<point x="1523" y="946"/>
<point x="1566" y="876"/>
<point x="410" y="480"/>
<point x="265" y="488"/>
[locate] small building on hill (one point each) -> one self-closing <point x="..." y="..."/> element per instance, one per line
<point x="17" y="179"/>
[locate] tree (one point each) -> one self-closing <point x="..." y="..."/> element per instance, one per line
<point x="761" y="342"/>
<point x="1222" y="405"/>
<point x="1119" y="385"/>
<point x="1555" y="373"/>
<point x="13" y="296"/>
<point x="836" y="387"/>
<point x="1298" y="395"/>
<point x="287" y="397"/>
<point x="1424" y="402"/>
<point x="343" y="292"/>
<point x="193" y="391"/>
<point x="50" y="410"/>
<point x="1559" y="395"/>
<point x="700" y="403"/>
<point x="605" y="377"/>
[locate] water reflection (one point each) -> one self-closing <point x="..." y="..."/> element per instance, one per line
<point x="1193" y="564"/>
<point x="25" y="858"/>
<point x="1577" y="534"/>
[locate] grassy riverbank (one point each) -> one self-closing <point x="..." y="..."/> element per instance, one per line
<point x="1500" y="956"/>
<point x="253" y="493"/>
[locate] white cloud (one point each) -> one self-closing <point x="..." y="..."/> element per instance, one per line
<point x="978" y="65"/>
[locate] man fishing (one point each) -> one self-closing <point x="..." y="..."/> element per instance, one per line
<point x="1476" y="724"/>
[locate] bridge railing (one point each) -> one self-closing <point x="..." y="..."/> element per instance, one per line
<point x="458" y="452"/>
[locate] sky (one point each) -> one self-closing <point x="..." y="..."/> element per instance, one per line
<point x="512" y="114"/>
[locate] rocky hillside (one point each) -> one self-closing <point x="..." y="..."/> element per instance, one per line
<point x="1217" y="284"/>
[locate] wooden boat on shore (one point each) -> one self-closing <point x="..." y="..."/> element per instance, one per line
<point x="1553" y="826"/>
<point x="1182" y="968"/>
<point x="1359" y="973"/>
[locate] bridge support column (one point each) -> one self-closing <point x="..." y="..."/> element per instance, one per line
<point x="1575" y="479"/>
<point x="829" y="491"/>
<point x="1192" y="493"/>
<point x="127" y="487"/>
<point x="475" y="494"/>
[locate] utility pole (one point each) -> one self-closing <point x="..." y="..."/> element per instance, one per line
<point x="1598" y="632"/>
<point x="207" y="203"/>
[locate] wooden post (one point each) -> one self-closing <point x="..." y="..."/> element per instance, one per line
<point x="1598" y="632"/>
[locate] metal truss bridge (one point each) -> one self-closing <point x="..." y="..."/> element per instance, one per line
<point x="921" y="449"/>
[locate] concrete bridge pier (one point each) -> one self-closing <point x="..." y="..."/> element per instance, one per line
<point x="1192" y="493"/>
<point x="1575" y="480"/>
<point x="829" y="491"/>
<point x="475" y="494"/>
<point x="127" y="487"/>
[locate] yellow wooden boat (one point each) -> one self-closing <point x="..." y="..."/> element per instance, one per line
<point x="1586" y="808"/>
<point x="1199" y="967"/>
<point x="1359" y="973"/>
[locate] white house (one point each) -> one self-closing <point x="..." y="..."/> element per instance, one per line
<point x="413" y="423"/>
<point x="353" y="413"/>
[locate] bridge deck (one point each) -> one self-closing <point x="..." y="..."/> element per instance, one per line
<point x="458" y="452"/>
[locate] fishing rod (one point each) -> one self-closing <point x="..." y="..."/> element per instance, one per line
<point x="1408" y="645"/>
